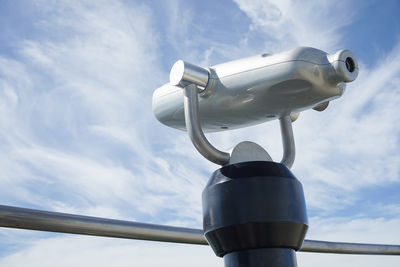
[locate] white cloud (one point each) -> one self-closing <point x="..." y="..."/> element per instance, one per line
<point x="355" y="141"/>
<point x="78" y="136"/>
<point x="97" y="251"/>
<point x="353" y="144"/>
<point x="364" y="230"/>
<point x="348" y="147"/>
<point x="78" y="131"/>
<point x="333" y="260"/>
<point x="291" y="22"/>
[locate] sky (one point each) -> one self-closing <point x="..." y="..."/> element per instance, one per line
<point x="77" y="133"/>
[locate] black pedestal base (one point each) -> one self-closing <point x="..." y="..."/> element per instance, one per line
<point x="254" y="214"/>
<point x="263" y="257"/>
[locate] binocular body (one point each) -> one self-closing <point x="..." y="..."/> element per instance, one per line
<point x="256" y="89"/>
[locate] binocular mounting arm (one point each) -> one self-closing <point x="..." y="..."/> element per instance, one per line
<point x="211" y="153"/>
<point x="200" y="142"/>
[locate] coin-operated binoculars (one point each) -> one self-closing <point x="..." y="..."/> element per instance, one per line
<point x="254" y="212"/>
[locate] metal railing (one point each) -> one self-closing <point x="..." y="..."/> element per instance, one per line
<point x="14" y="217"/>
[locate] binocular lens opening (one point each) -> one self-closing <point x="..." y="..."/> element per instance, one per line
<point x="350" y="65"/>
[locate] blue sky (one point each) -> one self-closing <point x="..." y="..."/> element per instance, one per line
<point x="77" y="133"/>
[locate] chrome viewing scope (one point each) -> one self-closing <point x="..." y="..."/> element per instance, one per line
<point x="256" y="89"/>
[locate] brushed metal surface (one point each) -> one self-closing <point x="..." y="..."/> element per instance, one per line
<point x="184" y="73"/>
<point x="289" y="149"/>
<point x="257" y="89"/>
<point x="22" y="218"/>
<point x="248" y="151"/>
<point x="211" y="153"/>
<point x="349" y="248"/>
<point x="195" y="132"/>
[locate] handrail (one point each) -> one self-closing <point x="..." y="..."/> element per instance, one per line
<point x="15" y="217"/>
<point x="349" y="248"/>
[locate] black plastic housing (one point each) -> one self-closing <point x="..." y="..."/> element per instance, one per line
<point x="254" y="205"/>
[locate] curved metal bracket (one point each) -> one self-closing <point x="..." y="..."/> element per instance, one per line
<point x="211" y="153"/>
<point x="195" y="132"/>
<point x="289" y="150"/>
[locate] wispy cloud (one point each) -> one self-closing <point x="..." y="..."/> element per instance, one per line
<point x="77" y="133"/>
<point x="351" y="145"/>
<point x="79" y="123"/>
<point x="89" y="251"/>
<point x="288" y="23"/>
